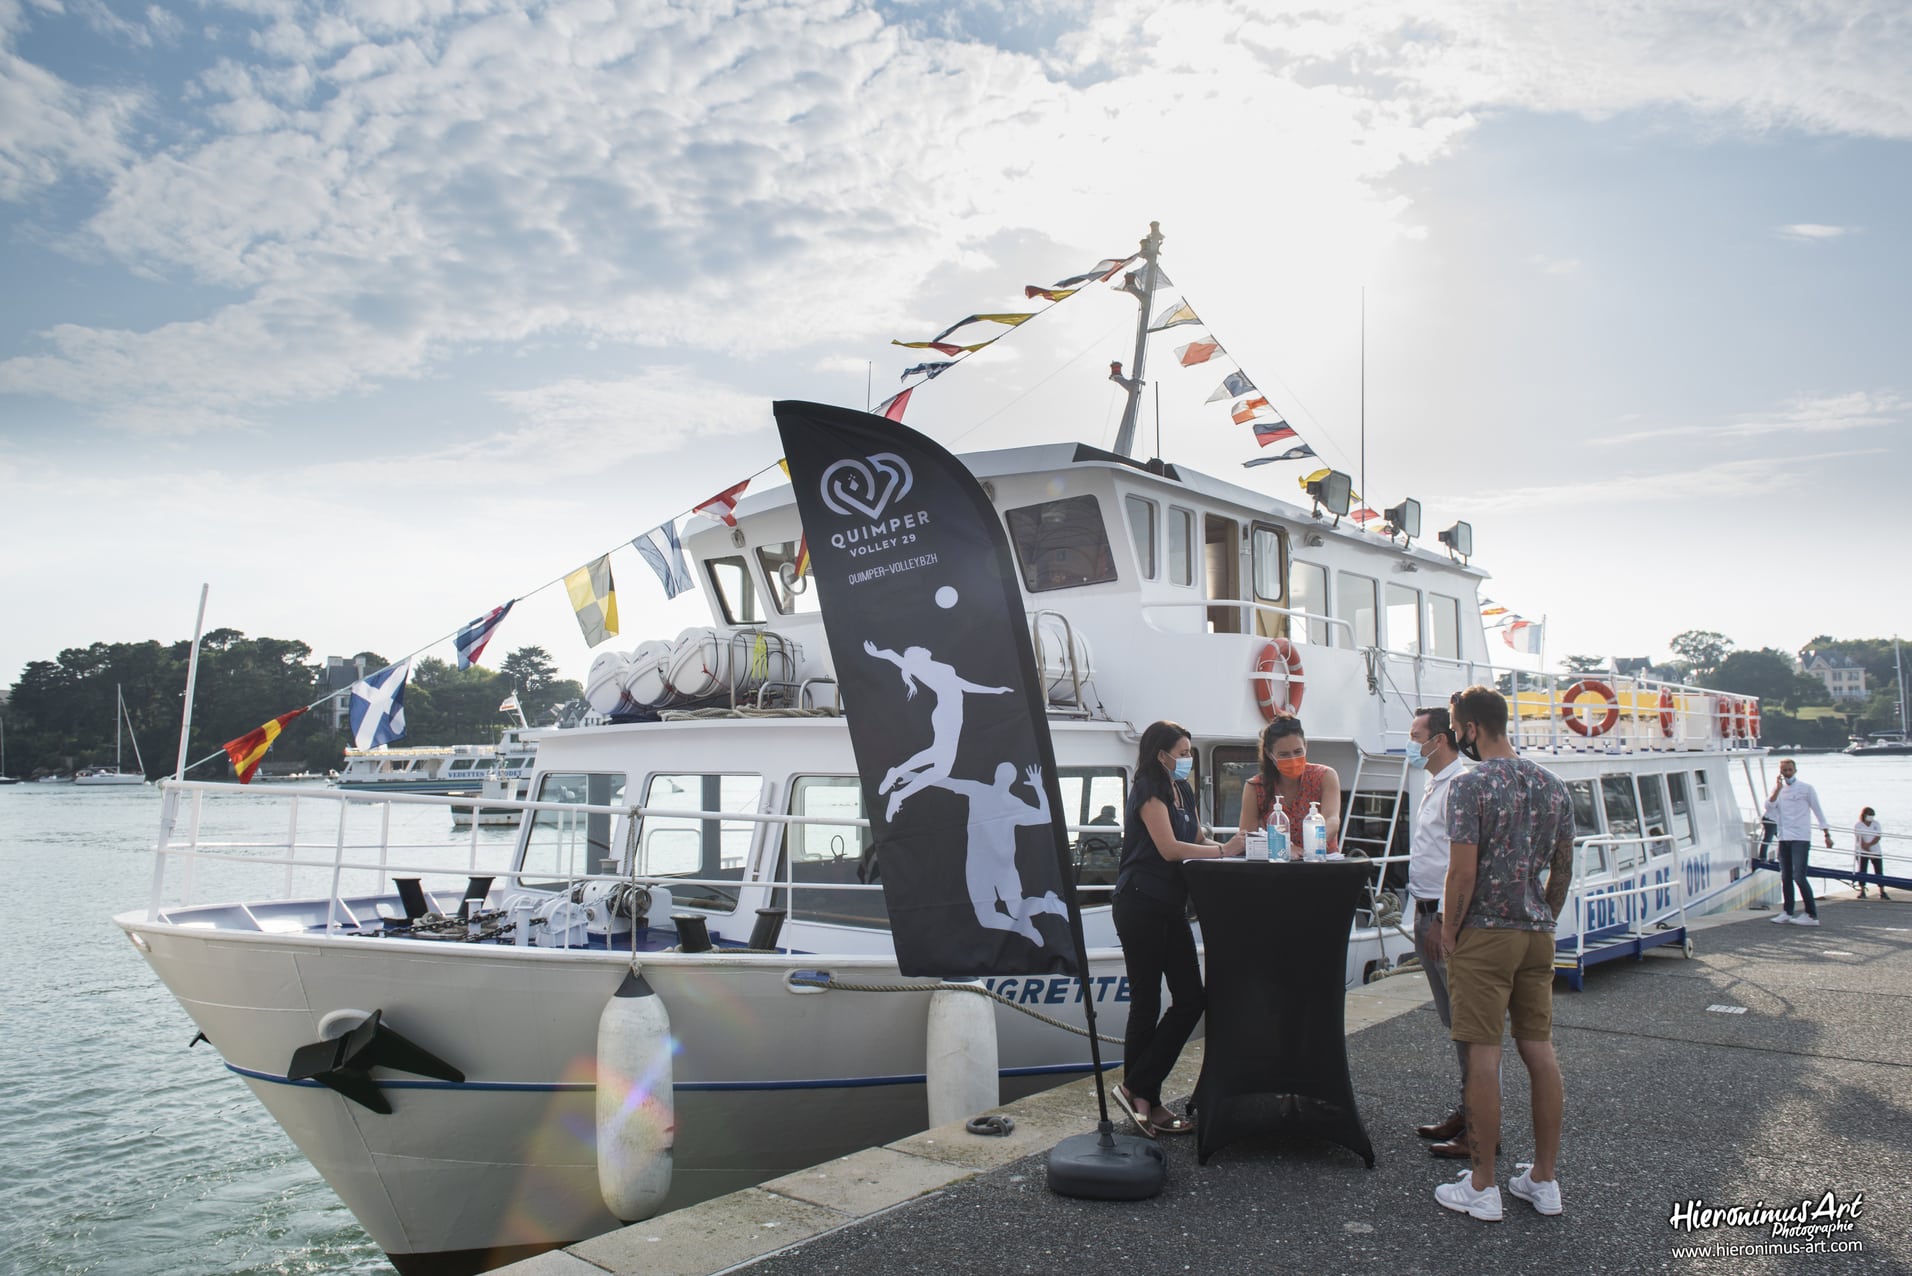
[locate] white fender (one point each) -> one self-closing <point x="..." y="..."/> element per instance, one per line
<point x="960" y="1064"/>
<point x="636" y="1122"/>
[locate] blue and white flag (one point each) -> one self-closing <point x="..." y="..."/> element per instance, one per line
<point x="660" y="548"/>
<point x="1296" y="453"/>
<point x="472" y="638"/>
<point x="378" y="706"/>
<point x="1234" y="385"/>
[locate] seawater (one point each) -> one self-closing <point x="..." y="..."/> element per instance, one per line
<point x="126" y="1152"/>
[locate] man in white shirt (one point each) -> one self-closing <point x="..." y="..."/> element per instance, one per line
<point x="1794" y="800"/>
<point x="1430" y="748"/>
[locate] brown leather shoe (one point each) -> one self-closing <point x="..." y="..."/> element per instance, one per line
<point x="1455" y="1149"/>
<point x="1453" y="1124"/>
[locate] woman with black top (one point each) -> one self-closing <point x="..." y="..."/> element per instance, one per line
<point x="1159" y="831"/>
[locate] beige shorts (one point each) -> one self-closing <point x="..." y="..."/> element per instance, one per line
<point x="1494" y="972"/>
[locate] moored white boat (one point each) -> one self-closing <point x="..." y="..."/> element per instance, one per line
<point x="450" y="768"/>
<point x="1149" y="591"/>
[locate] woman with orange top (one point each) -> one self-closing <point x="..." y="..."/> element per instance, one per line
<point x="1286" y="773"/>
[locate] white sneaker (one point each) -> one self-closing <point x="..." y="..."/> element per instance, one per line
<point x="1544" y="1197"/>
<point x="1461" y="1197"/>
<point x="1805" y="919"/>
<point x="1781" y="917"/>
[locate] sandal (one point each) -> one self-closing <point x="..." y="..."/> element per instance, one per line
<point x="1164" y="1121"/>
<point x="1127" y="1104"/>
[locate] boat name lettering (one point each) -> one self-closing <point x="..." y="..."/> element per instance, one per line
<point x="1056" y="990"/>
<point x="888" y="569"/>
<point x="865" y="539"/>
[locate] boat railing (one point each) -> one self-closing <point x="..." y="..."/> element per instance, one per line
<point x="333" y="849"/>
<point x="1674" y="884"/>
<point x="1894" y="849"/>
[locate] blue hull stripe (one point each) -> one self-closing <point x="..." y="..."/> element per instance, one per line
<point x="549" y="1087"/>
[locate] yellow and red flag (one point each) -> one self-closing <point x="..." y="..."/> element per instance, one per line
<point x="250" y="749"/>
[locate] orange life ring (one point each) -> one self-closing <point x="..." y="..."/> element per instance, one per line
<point x="1278" y="654"/>
<point x="1752" y="720"/>
<point x="1666" y="713"/>
<point x="1726" y="716"/>
<point x="1575" y="722"/>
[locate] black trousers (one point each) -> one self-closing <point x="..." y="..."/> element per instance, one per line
<point x="1157" y="944"/>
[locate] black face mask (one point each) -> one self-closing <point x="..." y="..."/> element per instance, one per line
<point x="1469" y="749"/>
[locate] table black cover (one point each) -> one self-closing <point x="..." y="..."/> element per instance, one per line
<point x="1276" y="1057"/>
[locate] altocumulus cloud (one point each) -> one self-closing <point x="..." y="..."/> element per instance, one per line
<point x="375" y="186"/>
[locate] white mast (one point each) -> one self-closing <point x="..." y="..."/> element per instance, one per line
<point x="1151" y="249"/>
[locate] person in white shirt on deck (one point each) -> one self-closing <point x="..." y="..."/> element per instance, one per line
<point x="1430" y="749"/>
<point x="1794" y="800"/>
<point x="1865" y="845"/>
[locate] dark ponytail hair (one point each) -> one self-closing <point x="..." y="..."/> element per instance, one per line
<point x="1151" y="781"/>
<point x="1283" y="726"/>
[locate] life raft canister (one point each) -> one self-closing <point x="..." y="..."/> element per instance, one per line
<point x="1667" y="705"/>
<point x="1278" y="655"/>
<point x="1579" y="725"/>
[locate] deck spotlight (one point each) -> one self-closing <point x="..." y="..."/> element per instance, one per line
<point x="1404" y="520"/>
<point x="1332" y="490"/>
<point x="1459" y="540"/>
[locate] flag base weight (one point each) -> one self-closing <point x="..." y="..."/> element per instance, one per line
<point x="1105" y="1166"/>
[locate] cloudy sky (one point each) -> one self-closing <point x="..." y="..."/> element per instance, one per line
<point x="376" y="313"/>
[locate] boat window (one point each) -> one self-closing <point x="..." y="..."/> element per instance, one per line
<point x="1142" y="532"/>
<point x="1094" y="796"/>
<point x="1181" y="546"/>
<point x="1623" y="816"/>
<point x="1653" y="812"/>
<point x="1233" y="764"/>
<point x="1586" y="818"/>
<point x="692" y="846"/>
<point x="1683" y="826"/>
<point x="736" y="590"/>
<point x="1443" y="626"/>
<point x="1404" y="619"/>
<point x="1061" y="544"/>
<point x="1221" y="561"/>
<point x="1308" y="591"/>
<point x="1699" y="786"/>
<point x="826" y="855"/>
<point x="561" y="846"/>
<point x="1355" y="603"/>
<point x="1268" y="570"/>
<point x="790" y="593"/>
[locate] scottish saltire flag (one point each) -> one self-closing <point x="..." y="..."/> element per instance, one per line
<point x="1274" y="431"/>
<point x="472" y="638"/>
<point x="660" y="548"/>
<point x="1233" y="386"/>
<point x="250" y="749"/>
<point x="721" y="506"/>
<point x="1299" y="452"/>
<point x="378" y="706"/>
<point x="594" y="598"/>
<point x="1197" y="352"/>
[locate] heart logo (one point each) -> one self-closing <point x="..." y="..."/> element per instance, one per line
<point x="866" y="487"/>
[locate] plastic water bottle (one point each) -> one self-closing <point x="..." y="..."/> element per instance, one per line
<point x="1277" y="832"/>
<point x="1314" y="833"/>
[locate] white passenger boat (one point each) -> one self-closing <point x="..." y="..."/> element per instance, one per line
<point x="450" y="768"/>
<point x="1151" y="591"/>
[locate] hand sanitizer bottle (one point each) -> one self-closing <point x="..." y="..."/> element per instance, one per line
<point x="1314" y="833"/>
<point x="1277" y="833"/>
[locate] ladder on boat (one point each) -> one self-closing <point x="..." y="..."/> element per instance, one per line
<point x="1373" y="825"/>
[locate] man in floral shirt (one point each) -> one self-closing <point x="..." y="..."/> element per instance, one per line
<point x="1510" y="824"/>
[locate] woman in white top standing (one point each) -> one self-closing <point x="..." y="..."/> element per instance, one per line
<point x="1865" y="841"/>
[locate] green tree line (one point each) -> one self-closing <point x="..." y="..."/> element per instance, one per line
<point x="59" y="715"/>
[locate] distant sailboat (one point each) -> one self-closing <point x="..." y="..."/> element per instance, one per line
<point x="1890" y="743"/>
<point x="100" y="776"/>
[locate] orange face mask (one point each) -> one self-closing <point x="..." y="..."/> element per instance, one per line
<point x="1292" y="767"/>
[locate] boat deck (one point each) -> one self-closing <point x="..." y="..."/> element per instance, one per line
<point x="1769" y="1068"/>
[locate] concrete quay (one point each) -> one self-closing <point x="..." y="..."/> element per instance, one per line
<point x="1772" y="1067"/>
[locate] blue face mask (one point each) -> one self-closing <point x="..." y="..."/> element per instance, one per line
<point x="1183" y="766"/>
<point x="1790" y="778"/>
<point x="1416" y="760"/>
